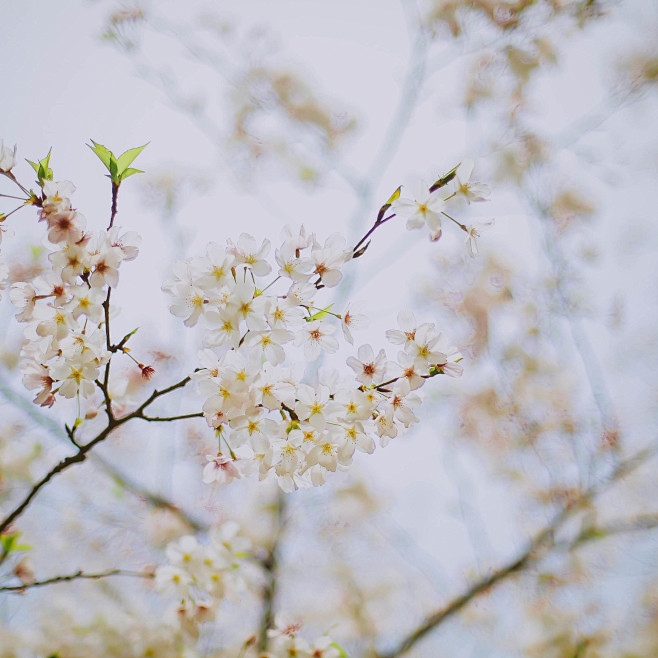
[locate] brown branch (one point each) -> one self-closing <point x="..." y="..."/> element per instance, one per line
<point x="271" y="566"/>
<point x="537" y="548"/>
<point x="153" y="499"/>
<point x="166" y="419"/>
<point x="113" y="211"/>
<point x="617" y="527"/>
<point x="113" y="423"/>
<point x="76" y="576"/>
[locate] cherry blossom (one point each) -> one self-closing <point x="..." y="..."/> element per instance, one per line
<point x="7" y="157"/>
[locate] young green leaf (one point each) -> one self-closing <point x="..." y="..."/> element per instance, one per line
<point x="125" y="159"/>
<point x="43" y="171"/>
<point x="320" y="314"/>
<point x="114" y="170"/>
<point x="342" y="653"/>
<point x="8" y="542"/>
<point x="129" y="172"/>
<point x="102" y="152"/>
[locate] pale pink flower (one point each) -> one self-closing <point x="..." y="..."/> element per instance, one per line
<point x="66" y="226"/>
<point x="424" y="208"/>
<point x="128" y="242"/>
<point x="368" y="368"/>
<point x="219" y="469"/>
<point x="316" y="337"/>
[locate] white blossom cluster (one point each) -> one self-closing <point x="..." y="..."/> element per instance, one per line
<point x="268" y="418"/>
<point x="63" y="310"/>
<point x="196" y="570"/>
<point x="200" y="575"/>
<point x="427" y="205"/>
<point x="285" y="641"/>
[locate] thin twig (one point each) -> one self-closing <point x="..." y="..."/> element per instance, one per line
<point x="166" y="419"/>
<point x="53" y="428"/>
<point x="80" y="456"/>
<point x="76" y="576"/>
<point x="538" y="546"/>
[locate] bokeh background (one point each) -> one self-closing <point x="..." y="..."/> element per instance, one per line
<point x="262" y="114"/>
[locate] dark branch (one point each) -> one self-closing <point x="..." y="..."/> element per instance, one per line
<point x="76" y="576"/>
<point x="540" y="544"/>
<point x="166" y="419"/>
<point x="113" y="423"/>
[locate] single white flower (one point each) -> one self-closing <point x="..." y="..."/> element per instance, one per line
<point x="316" y="337"/>
<point x="248" y="252"/>
<point x="466" y="189"/>
<point x="424" y="208"/>
<point x="350" y="321"/>
<point x="473" y="232"/>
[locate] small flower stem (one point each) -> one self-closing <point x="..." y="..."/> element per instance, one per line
<point x="11" y="177"/>
<point x="324" y="310"/>
<point x="270" y="284"/>
<point x="9" y="214"/>
<point x="228" y="445"/>
<point x="461" y="226"/>
<point x="10" y="196"/>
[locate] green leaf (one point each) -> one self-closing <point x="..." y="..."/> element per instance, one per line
<point x="114" y="170"/>
<point x="46" y="161"/>
<point x="103" y="153"/>
<point x="125" y="159"/>
<point x="341" y="651"/>
<point x="118" y="167"/>
<point x="320" y="314"/>
<point x="22" y="547"/>
<point x="8" y="542"/>
<point x="129" y="172"/>
<point x="43" y="171"/>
